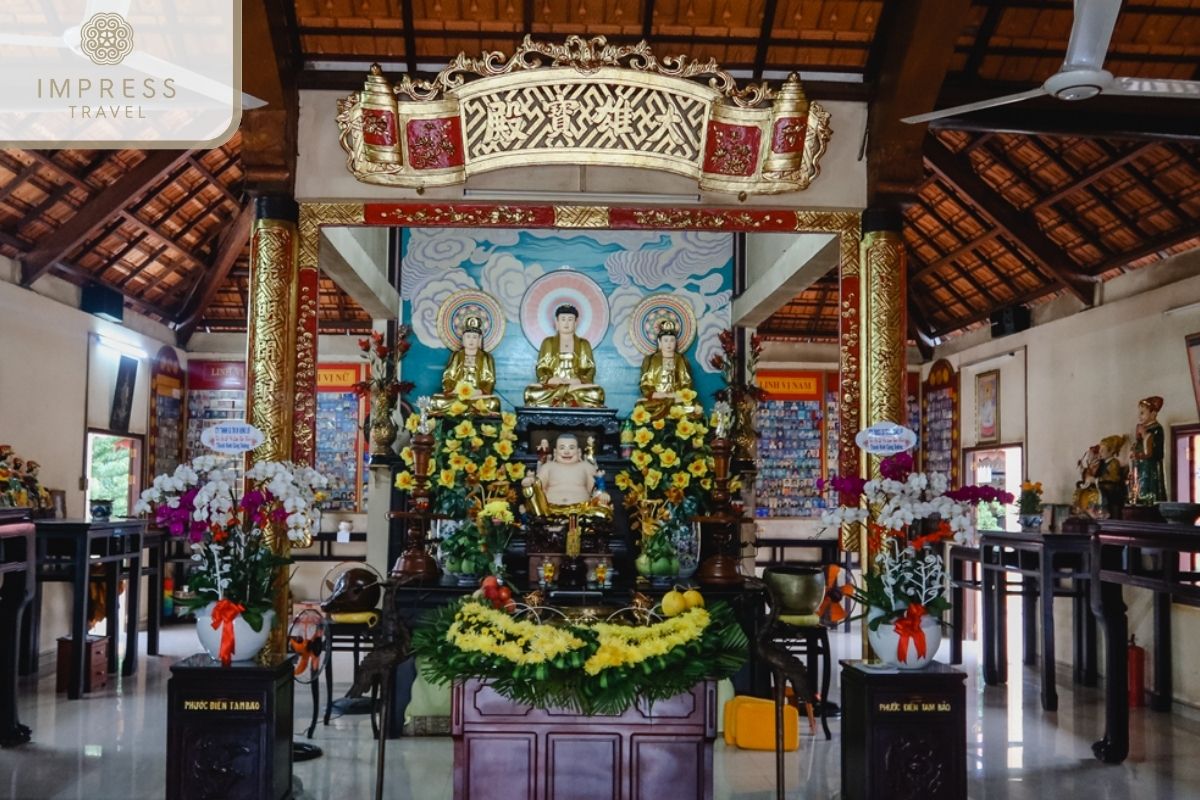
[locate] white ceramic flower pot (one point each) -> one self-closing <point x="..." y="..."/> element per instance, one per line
<point x="885" y="641"/>
<point x="247" y="641"/>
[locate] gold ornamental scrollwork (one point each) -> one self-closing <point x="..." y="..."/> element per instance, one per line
<point x="581" y="217"/>
<point x="583" y="102"/>
<point x="883" y="313"/>
<point x="272" y="336"/>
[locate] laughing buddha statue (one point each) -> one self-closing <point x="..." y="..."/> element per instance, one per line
<point x="565" y="485"/>
<point x="565" y="367"/>
<point x="470" y="365"/>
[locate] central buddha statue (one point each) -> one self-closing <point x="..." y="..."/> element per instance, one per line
<point x="565" y="485"/>
<point x="565" y="367"/>
<point x="470" y="365"/>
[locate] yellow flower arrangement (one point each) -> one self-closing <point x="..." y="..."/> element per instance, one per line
<point x="498" y="510"/>
<point x="628" y="646"/>
<point x="478" y="629"/>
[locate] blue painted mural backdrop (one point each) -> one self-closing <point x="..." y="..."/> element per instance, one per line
<point x="627" y="266"/>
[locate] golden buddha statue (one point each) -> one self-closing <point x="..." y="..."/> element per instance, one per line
<point x="470" y="365"/>
<point x="665" y="372"/>
<point x="564" y="485"/>
<point x="565" y="367"/>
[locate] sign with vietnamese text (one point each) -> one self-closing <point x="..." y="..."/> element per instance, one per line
<point x="231" y="436"/>
<point x="790" y="384"/>
<point x="886" y="439"/>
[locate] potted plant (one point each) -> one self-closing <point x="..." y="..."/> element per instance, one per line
<point x="906" y="514"/>
<point x="1029" y="506"/>
<point x="235" y="542"/>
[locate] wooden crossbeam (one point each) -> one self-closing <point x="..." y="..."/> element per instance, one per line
<point x="410" y="36"/>
<point x="18" y="180"/>
<point x="764" y="36"/>
<point x="1150" y="247"/>
<point x="917" y="50"/>
<point x="215" y="180"/>
<point x="229" y="249"/>
<point x="141" y="306"/>
<point x="99" y="209"/>
<point x="986" y="29"/>
<point x="1020" y="228"/>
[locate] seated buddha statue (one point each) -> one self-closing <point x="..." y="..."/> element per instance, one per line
<point x="565" y="485"/>
<point x="565" y="367"/>
<point x="470" y="365"/>
<point x="665" y="372"/>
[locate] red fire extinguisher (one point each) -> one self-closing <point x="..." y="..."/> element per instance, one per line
<point x="1137" y="674"/>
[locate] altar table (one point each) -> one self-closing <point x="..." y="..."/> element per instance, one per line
<point x="650" y="752"/>
<point x="17" y="565"/>
<point x="1042" y="559"/>
<point x="1118" y="549"/>
<point x="66" y="552"/>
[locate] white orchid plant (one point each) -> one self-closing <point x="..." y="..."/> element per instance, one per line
<point x="905" y="512"/>
<point x="230" y="534"/>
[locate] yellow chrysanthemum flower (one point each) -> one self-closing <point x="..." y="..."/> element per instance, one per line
<point x="656" y="449"/>
<point x="406" y="455"/>
<point x="464" y="429"/>
<point x="476" y="442"/>
<point x="458" y="408"/>
<point x="675" y="412"/>
<point x="685" y="429"/>
<point x="687" y="395"/>
<point x="488" y="430"/>
<point x="447" y="479"/>
<point x="653" y="477"/>
<point x="504" y="448"/>
<point x="658" y="424"/>
<point x="640" y="415"/>
<point x="668" y="458"/>
<point x="623" y="481"/>
<point x="515" y="470"/>
<point x="471" y="468"/>
<point x="452" y="446"/>
<point x="698" y="468"/>
<point x="458" y="461"/>
<point x="463" y="390"/>
<point x="642" y="437"/>
<point x="640" y="458"/>
<point x="487" y="473"/>
<point x="405" y="481"/>
<point x="698" y="442"/>
<point x="681" y="480"/>
<point x="508" y="419"/>
<point x="412" y="423"/>
<point x="706" y="483"/>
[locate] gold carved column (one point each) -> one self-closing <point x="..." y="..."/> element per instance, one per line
<point x="883" y="335"/>
<point x="271" y="358"/>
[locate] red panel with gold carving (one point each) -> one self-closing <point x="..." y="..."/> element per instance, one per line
<point x="435" y="143"/>
<point x="788" y="135"/>
<point x="731" y="149"/>
<point x="379" y="127"/>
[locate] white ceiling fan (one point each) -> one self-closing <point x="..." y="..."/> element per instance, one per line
<point x="1083" y="75"/>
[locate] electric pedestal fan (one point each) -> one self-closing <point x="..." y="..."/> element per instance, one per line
<point x="307" y="640"/>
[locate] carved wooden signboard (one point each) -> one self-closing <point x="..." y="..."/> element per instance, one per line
<point x="584" y="102"/>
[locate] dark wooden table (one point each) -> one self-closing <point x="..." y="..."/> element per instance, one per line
<point x="154" y="541"/>
<point x="66" y="552"/>
<point x="1043" y="560"/>
<point x="1146" y="555"/>
<point x="961" y="559"/>
<point x="17" y="568"/>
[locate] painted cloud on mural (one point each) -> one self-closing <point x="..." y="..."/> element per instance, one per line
<point x="430" y="298"/>
<point x="430" y="254"/>
<point x="506" y="278"/>
<point x="690" y="255"/>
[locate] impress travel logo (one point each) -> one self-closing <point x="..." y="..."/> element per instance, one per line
<point x="127" y="73"/>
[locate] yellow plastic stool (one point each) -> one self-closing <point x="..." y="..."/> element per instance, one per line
<point x="750" y="724"/>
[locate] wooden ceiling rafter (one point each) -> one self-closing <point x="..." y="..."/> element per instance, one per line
<point x="410" y="38"/>
<point x="959" y="173"/>
<point x="106" y="203"/>
<point x="764" y="38"/>
<point x="987" y="28"/>
<point x="229" y="249"/>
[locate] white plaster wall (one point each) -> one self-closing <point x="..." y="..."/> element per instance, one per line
<point x="43" y="385"/>
<point x="841" y="184"/>
<point x="1083" y="375"/>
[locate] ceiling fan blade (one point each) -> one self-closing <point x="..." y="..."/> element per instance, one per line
<point x="1155" y="87"/>
<point x="969" y="107"/>
<point x="1091" y="31"/>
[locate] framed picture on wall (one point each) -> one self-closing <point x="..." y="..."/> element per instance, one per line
<point x="122" y="405"/>
<point x="987" y="407"/>
<point x="1193" y="348"/>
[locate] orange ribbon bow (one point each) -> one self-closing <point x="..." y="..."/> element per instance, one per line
<point x="909" y="627"/>
<point x="831" y="611"/>
<point x="223" y="615"/>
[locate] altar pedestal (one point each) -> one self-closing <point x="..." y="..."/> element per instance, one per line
<point x="904" y="733"/>
<point x="647" y="753"/>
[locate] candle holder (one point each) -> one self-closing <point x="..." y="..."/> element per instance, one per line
<point x="722" y="449"/>
<point x="415" y="563"/>
<point x="721" y="568"/>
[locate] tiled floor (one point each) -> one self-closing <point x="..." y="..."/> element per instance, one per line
<point x="112" y="747"/>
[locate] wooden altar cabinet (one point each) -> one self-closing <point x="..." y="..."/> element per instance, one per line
<point x="17" y="568"/>
<point x="650" y="752"/>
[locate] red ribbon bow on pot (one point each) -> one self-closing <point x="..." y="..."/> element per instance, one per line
<point x="223" y="615"/>
<point x="909" y="627"/>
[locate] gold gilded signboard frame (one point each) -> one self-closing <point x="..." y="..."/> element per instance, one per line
<point x="587" y="103"/>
